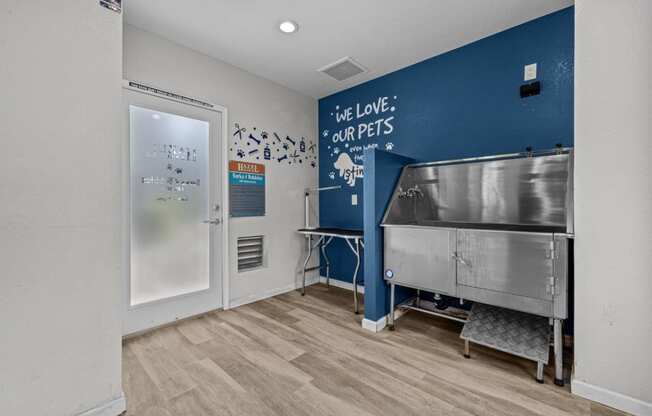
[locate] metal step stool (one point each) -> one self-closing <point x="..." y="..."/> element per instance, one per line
<point x="517" y="333"/>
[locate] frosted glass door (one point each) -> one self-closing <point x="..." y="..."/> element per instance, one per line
<point x="170" y="242"/>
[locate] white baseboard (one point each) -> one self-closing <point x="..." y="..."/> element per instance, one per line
<point x="113" y="407"/>
<point x="341" y="284"/>
<point x="379" y="325"/>
<point x="610" y="398"/>
<point x="270" y="293"/>
<point x="374" y="326"/>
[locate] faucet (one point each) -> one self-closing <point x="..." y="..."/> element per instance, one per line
<point x="413" y="192"/>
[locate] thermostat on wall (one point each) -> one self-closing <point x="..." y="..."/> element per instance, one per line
<point x="530" y="72"/>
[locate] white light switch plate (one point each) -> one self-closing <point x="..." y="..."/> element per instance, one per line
<point x="530" y="72"/>
<point x="354" y="199"/>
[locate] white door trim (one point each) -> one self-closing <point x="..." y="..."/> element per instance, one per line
<point x="149" y="89"/>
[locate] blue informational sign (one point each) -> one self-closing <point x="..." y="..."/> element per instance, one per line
<point x="247" y="189"/>
<point x="236" y="178"/>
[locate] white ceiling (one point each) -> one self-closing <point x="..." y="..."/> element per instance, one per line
<point x="382" y="35"/>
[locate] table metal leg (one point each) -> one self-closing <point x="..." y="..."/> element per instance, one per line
<point x="559" y="352"/>
<point x="305" y="264"/>
<point x="356" y="253"/>
<point x="328" y="263"/>
<point x="467" y="349"/>
<point x="355" y="276"/>
<point x="391" y="306"/>
<point x="540" y="372"/>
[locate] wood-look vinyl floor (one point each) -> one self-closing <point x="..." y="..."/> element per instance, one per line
<point x="308" y="356"/>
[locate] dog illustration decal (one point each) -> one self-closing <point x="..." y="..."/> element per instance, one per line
<point x="348" y="170"/>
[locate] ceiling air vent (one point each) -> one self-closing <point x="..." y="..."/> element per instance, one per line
<point x="250" y="252"/>
<point x="343" y="69"/>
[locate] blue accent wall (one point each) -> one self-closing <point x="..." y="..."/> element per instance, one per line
<point x="462" y="103"/>
<point x="382" y="170"/>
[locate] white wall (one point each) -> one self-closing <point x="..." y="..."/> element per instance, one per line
<point x="60" y="130"/>
<point x="251" y="101"/>
<point x="613" y="201"/>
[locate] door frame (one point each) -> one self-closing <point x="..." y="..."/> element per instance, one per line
<point x="149" y="89"/>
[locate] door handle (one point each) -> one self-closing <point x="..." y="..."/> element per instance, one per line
<point x="215" y="221"/>
<point x="458" y="258"/>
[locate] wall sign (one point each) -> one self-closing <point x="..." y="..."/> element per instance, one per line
<point x="357" y="127"/>
<point x="246" y="189"/>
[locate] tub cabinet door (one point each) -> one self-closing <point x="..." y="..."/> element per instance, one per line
<point x="421" y="258"/>
<point x="516" y="266"/>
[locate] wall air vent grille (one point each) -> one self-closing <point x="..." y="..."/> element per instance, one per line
<point x="343" y="69"/>
<point x="250" y="253"/>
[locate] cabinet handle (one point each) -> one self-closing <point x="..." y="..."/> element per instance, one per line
<point x="460" y="259"/>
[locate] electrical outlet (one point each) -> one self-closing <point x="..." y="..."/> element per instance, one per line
<point x="354" y="199"/>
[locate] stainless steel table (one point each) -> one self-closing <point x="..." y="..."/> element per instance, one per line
<point x="354" y="239"/>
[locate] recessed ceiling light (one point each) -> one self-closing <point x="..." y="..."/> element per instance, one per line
<point x="288" y="26"/>
<point x="156" y="116"/>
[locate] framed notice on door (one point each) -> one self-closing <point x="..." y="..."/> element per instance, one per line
<point x="246" y="189"/>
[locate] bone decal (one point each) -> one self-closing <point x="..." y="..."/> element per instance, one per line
<point x="262" y="144"/>
<point x="252" y="137"/>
